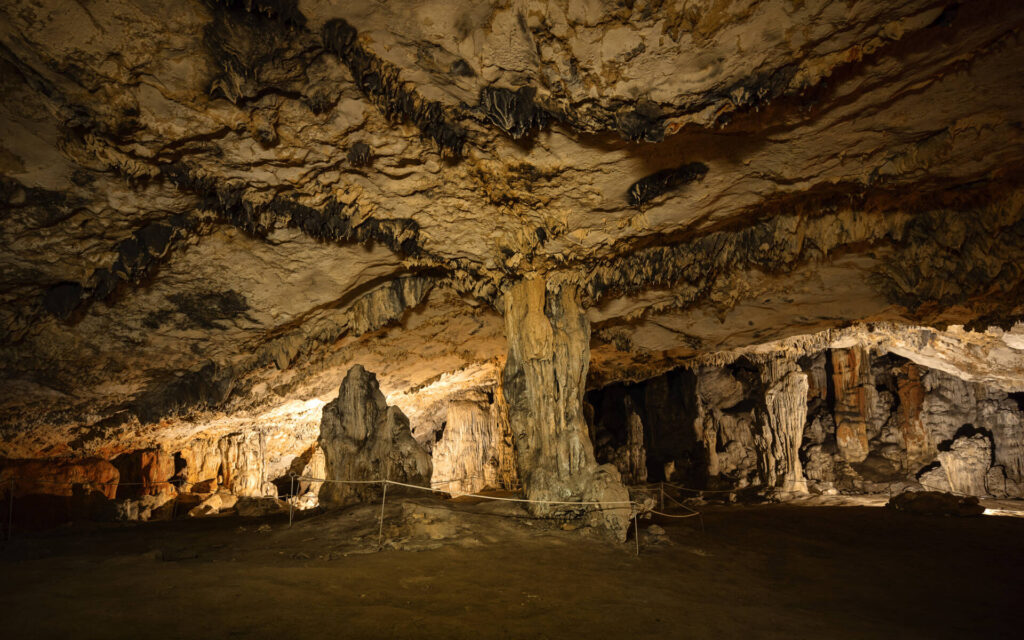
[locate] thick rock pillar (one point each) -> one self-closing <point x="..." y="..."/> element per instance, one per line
<point x="544" y="379"/>
<point x="364" y="439"/>
<point x="782" y="426"/>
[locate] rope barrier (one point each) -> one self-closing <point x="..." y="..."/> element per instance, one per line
<point x="636" y="508"/>
<point x="472" y="495"/>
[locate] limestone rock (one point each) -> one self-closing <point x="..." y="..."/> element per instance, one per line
<point x="253" y="507"/>
<point x="967" y="463"/>
<point x="216" y="503"/>
<point x="242" y="466"/>
<point x="364" y="439"/>
<point x="473" y="452"/>
<point x="851" y="381"/>
<point x="912" y="433"/>
<point x="781" y="429"/>
<point x="630" y="458"/>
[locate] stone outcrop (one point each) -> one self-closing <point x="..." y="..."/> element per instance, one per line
<point x="543" y="381"/>
<point x="202" y="464"/>
<point x="243" y="464"/>
<point x="913" y="436"/>
<point x="364" y="439"/>
<point x="936" y="503"/>
<point x="850" y="380"/>
<point x="966" y="464"/>
<point x="508" y="473"/>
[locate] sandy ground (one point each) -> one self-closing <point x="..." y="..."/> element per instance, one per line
<point x="475" y="571"/>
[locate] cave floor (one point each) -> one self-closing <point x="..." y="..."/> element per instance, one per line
<point x="767" y="571"/>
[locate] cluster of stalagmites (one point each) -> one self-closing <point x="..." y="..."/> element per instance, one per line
<point x="839" y="421"/>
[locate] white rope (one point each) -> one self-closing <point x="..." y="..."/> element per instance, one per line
<point x="474" y="495"/>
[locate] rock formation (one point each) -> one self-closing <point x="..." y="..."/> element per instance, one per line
<point x="364" y="439"/>
<point x="543" y="381"/>
<point x="850" y="382"/>
<point x="243" y="464"/>
<point x="782" y="426"/>
<point x="152" y="470"/>
<point x="475" y="449"/>
<point x="45" y="477"/>
<point x="213" y="209"/>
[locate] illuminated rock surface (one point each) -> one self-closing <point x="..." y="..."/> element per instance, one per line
<point x="212" y="211"/>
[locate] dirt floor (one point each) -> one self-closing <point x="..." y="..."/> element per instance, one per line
<point x="457" y="570"/>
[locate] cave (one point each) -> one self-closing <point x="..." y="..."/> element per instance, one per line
<point x="579" y="318"/>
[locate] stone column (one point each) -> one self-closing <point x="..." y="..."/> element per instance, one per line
<point x="782" y="425"/>
<point x="851" y="370"/>
<point x="543" y="381"/>
<point x="912" y="434"/>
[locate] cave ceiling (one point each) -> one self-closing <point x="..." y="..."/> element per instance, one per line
<point x="212" y="209"/>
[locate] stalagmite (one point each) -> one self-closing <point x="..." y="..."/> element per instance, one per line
<point x="544" y="377"/>
<point x="364" y="439"/>
<point x="242" y="468"/>
<point x="782" y="426"/>
<point x="913" y="436"/>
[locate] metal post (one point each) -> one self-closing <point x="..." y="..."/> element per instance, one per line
<point x="291" y="500"/>
<point x="380" y="531"/>
<point x="662" y="507"/>
<point x="636" y="532"/>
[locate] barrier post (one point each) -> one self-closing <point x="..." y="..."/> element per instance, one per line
<point x="291" y="499"/>
<point x="636" y="531"/>
<point x="383" y="499"/>
<point x="662" y="503"/>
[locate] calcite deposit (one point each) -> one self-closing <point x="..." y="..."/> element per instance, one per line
<point x="790" y="234"/>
